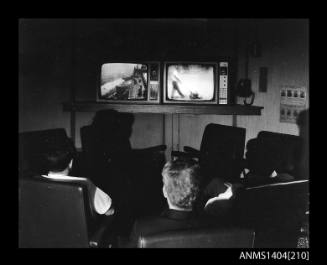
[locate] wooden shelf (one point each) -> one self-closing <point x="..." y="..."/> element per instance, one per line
<point x="87" y="106"/>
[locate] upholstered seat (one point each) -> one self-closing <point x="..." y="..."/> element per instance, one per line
<point x="271" y="151"/>
<point x="56" y="215"/>
<point x="221" y="151"/>
<point x="200" y="238"/>
<point x="275" y="211"/>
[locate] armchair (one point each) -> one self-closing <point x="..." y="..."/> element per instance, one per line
<point x="221" y="151"/>
<point x="110" y="161"/>
<point x="275" y="211"/>
<point x="271" y="151"/>
<point x="56" y="215"/>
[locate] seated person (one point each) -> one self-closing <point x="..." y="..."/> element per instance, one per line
<point x="58" y="160"/>
<point x="181" y="188"/>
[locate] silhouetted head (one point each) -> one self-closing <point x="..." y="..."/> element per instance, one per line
<point x="104" y="119"/>
<point x="181" y="183"/>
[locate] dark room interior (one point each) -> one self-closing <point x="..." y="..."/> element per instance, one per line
<point x="252" y="141"/>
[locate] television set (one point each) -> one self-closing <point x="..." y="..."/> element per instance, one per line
<point x="196" y="82"/>
<point x="130" y="82"/>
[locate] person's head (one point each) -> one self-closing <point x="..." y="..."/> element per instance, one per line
<point x="181" y="183"/>
<point x="59" y="156"/>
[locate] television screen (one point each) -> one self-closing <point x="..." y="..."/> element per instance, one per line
<point x="190" y="82"/>
<point x="124" y="81"/>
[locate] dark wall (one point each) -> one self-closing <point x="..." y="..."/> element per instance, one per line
<point x="44" y="73"/>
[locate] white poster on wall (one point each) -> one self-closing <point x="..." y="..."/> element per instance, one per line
<point x="292" y="102"/>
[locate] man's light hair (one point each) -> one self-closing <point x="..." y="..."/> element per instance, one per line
<point x="181" y="180"/>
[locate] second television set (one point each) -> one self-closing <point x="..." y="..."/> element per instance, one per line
<point x="195" y="83"/>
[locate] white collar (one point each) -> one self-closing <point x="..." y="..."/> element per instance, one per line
<point x="59" y="176"/>
<point x="56" y="175"/>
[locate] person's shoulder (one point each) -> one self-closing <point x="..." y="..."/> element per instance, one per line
<point x="147" y="221"/>
<point x="149" y="224"/>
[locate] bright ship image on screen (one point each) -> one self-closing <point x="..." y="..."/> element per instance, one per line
<point x="124" y="81"/>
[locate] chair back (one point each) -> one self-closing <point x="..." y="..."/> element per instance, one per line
<point x="200" y="238"/>
<point x="275" y="211"/>
<point x="93" y="156"/>
<point x="86" y="137"/>
<point x="222" y="150"/>
<point x="283" y="151"/>
<point x="277" y="204"/>
<point x="52" y="214"/>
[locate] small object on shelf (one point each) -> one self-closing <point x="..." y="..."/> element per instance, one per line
<point x="244" y="90"/>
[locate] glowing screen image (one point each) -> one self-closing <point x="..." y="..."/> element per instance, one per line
<point x="124" y="81"/>
<point x="190" y="82"/>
